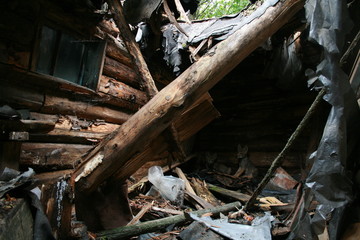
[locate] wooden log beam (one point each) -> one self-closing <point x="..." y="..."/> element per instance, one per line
<point x="55" y="105"/>
<point x="24" y="89"/>
<point x="121" y="72"/>
<point x="136" y="133"/>
<point x="117" y="51"/>
<point x="51" y="156"/>
<point x="147" y="82"/>
<point x="121" y="90"/>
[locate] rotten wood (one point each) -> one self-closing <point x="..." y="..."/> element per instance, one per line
<point x="32" y="89"/>
<point x="51" y="156"/>
<point x="121" y="90"/>
<point x="117" y="51"/>
<point x="151" y="226"/>
<point x="52" y="177"/>
<point x="56" y="105"/>
<point x="133" y="48"/>
<point x="229" y="193"/>
<point x="121" y="72"/>
<point x="140" y="214"/>
<point x="67" y="136"/>
<point x="279" y="159"/>
<point x="146" y="124"/>
<point x="202" y="191"/>
<point x="27" y="125"/>
<point x="193" y="197"/>
<point x="182" y="176"/>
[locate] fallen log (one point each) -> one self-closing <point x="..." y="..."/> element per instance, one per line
<point x="150" y="226"/>
<point x="229" y="193"/>
<point x="136" y="133"/>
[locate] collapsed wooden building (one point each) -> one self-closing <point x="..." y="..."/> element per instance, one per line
<point x="83" y="108"/>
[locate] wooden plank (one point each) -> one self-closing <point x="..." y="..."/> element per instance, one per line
<point x="146" y="124"/>
<point x="51" y="156"/>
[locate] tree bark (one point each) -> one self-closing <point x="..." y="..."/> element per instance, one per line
<point x="135" y="134"/>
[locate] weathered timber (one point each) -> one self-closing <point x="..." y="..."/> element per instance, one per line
<point x="117" y="51"/>
<point x="110" y="27"/>
<point x="30" y="93"/>
<point x="51" y="156"/>
<point x="27" y="125"/>
<point x="229" y="193"/>
<point x="67" y="122"/>
<point x="51" y="177"/>
<point x="188" y="187"/>
<point x="202" y="191"/>
<point x="193" y="197"/>
<point x="67" y="136"/>
<point x="136" y="133"/>
<point x="121" y="90"/>
<point x="121" y="72"/>
<point x="152" y="152"/>
<point x="66" y="106"/>
<point x="279" y="159"/>
<point x="133" y="48"/>
<point x="182" y="176"/>
<point x="151" y="226"/>
<point x="146" y="79"/>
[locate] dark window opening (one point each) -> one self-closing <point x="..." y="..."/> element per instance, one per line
<point x="63" y="56"/>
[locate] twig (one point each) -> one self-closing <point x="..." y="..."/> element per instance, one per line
<point x="280" y="158"/>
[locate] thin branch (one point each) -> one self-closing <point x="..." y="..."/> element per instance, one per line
<point x="280" y="158"/>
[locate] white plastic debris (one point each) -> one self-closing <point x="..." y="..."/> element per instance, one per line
<point x="170" y="188"/>
<point x="260" y="229"/>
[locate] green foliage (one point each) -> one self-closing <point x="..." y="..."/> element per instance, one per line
<point x="218" y="8"/>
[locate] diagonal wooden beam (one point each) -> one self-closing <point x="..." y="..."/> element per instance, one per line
<point x="147" y="81"/>
<point x="146" y="124"/>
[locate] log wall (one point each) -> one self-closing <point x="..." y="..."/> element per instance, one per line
<point x="259" y="114"/>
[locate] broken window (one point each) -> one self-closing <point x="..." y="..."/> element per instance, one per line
<point x="62" y="55"/>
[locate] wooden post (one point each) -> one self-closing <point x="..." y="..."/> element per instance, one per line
<point x="136" y="133"/>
